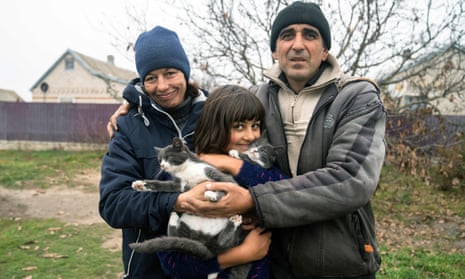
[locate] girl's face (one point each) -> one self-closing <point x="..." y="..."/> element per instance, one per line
<point x="242" y="134"/>
<point x="166" y="86"/>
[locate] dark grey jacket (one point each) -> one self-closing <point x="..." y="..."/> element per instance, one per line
<point x="322" y="220"/>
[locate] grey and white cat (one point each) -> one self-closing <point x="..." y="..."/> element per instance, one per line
<point x="200" y="236"/>
<point x="260" y="152"/>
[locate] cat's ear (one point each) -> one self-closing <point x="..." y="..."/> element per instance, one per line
<point x="264" y="134"/>
<point x="157" y="149"/>
<point x="177" y="144"/>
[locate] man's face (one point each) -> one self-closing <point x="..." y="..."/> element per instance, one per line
<point x="299" y="51"/>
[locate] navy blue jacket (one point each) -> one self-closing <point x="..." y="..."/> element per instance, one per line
<point x="131" y="156"/>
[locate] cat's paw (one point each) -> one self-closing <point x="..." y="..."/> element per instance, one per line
<point x="236" y="219"/>
<point x="139" y="185"/>
<point x="234" y="153"/>
<point x="212" y="196"/>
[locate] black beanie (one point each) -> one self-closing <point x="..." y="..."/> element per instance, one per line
<point x="298" y="13"/>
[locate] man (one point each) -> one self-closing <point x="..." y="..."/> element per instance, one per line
<point x="333" y="129"/>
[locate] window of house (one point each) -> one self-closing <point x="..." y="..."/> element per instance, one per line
<point x="414" y="102"/>
<point x="69" y="63"/>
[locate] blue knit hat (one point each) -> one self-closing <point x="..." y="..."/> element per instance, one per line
<point x="160" y="48"/>
<point x="303" y="13"/>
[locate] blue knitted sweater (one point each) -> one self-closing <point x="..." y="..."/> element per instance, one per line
<point x="184" y="266"/>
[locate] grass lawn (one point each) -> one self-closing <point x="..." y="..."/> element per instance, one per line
<point x="421" y="230"/>
<point x="48" y="248"/>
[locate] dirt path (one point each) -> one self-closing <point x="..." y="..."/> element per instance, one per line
<point x="71" y="206"/>
<point x="75" y="206"/>
<point x="80" y="206"/>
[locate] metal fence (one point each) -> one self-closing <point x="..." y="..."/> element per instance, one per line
<point x="425" y="131"/>
<point x="86" y="123"/>
<point x="58" y="122"/>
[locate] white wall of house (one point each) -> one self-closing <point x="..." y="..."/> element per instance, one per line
<point x="75" y="85"/>
<point x="440" y="78"/>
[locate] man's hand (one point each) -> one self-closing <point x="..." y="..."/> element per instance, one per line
<point x="196" y="193"/>
<point x="236" y="201"/>
<point x="112" y="125"/>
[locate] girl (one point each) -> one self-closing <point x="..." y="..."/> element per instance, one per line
<point x="232" y="118"/>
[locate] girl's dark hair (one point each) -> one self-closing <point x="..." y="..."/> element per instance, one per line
<point x="224" y="106"/>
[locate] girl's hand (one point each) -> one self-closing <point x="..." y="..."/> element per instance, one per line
<point x="256" y="244"/>
<point x="254" y="247"/>
<point x="223" y="162"/>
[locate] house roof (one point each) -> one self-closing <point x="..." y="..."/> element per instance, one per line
<point x="7" y="95"/>
<point x="429" y="57"/>
<point x="426" y="59"/>
<point x="95" y="67"/>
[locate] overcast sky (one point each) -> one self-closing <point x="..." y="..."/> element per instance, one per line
<point x="34" y="34"/>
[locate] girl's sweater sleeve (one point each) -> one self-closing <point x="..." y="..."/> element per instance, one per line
<point x="182" y="265"/>
<point x="250" y="175"/>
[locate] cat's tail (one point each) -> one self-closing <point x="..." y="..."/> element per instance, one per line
<point x="173" y="243"/>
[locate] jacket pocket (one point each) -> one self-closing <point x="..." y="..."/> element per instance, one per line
<point x="363" y="225"/>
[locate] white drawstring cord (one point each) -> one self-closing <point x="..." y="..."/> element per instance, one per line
<point x="132" y="255"/>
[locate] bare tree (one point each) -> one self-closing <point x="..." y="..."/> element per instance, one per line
<point x="232" y="37"/>
<point x="229" y="39"/>
<point x="370" y="37"/>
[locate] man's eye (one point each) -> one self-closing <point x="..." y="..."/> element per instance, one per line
<point x="285" y="36"/>
<point x="311" y="36"/>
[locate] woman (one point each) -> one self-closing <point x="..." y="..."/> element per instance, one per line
<point x="167" y="106"/>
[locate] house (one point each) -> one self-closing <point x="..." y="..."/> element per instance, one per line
<point x="437" y="80"/>
<point x="77" y="78"/>
<point x="9" y="96"/>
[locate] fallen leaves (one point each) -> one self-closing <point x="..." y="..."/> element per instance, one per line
<point x="53" y="256"/>
<point x="29" y="268"/>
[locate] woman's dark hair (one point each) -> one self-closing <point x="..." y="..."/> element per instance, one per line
<point x="192" y="89"/>
<point x="224" y="106"/>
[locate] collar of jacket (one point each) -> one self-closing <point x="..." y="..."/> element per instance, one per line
<point x="330" y="74"/>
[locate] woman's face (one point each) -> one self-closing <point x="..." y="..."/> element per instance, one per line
<point x="242" y="134"/>
<point x="166" y="86"/>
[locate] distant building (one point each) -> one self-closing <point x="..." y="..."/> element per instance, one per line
<point x="437" y="80"/>
<point x="9" y="96"/>
<point x="77" y="78"/>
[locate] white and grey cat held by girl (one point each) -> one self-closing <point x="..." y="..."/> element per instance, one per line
<point x="200" y="236"/>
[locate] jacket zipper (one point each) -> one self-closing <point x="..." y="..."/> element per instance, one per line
<point x="292" y="109"/>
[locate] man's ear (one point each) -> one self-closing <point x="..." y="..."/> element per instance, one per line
<point x="325" y="54"/>
<point x="274" y="55"/>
